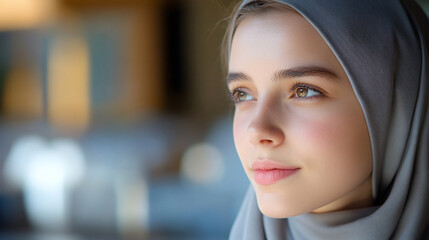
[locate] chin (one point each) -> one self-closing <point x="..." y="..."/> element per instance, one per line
<point x="277" y="207"/>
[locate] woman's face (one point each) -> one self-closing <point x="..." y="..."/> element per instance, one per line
<point x="299" y="129"/>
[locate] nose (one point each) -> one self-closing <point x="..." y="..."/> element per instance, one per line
<point x="265" y="130"/>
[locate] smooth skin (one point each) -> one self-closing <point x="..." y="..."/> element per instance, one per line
<point x="296" y="106"/>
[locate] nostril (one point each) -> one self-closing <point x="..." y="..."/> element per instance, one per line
<point x="265" y="141"/>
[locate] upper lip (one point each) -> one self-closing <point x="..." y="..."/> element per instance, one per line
<point x="267" y="164"/>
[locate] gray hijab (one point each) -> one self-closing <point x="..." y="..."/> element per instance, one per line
<point x="383" y="47"/>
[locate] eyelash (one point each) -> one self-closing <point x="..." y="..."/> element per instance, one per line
<point x="296" y="85"/>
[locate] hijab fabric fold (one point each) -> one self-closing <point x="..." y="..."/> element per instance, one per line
<point x="383" y="47"/>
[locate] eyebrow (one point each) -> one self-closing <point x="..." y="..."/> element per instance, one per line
<point x="296" y="72"/>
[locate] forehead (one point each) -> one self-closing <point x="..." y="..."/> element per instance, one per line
<point x="281" y="38"/>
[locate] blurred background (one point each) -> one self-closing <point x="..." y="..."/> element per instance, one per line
<point x="115" y="121"/>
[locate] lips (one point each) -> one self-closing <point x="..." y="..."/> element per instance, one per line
<point x="267" y="172"/>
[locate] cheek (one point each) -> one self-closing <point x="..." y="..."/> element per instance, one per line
<point x="333" y="139"/>
<point x="239" y="132"/>
<point x="320" y="131"/>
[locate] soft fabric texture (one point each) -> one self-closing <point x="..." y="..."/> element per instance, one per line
<point x="383" y="47"/>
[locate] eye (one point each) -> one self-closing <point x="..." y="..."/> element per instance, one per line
<point x="239" y="95"/>
<point x="304" y="91"/>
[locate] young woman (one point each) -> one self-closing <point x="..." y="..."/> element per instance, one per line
<point x="332" y="118"/>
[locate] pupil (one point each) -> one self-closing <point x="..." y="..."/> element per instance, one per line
<point x="302" y="92"/>
<point x="242" y="96"/>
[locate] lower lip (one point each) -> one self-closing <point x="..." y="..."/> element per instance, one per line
<point x="267" y="177"/>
